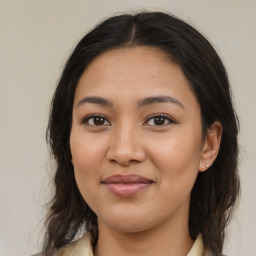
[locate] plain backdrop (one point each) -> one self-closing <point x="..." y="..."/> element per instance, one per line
<point x="36" y="38"/>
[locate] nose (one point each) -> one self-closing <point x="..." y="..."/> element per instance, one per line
<point x="126" y="146"/>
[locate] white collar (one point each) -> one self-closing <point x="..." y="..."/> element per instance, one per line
<point x="83" y="247"/>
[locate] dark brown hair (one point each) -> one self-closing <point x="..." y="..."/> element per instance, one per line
<point x="215" y="191"/>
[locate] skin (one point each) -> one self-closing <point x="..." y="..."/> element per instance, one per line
<point x="127" y="140"/>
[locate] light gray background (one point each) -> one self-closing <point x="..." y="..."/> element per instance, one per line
<point x="36" y="38"/>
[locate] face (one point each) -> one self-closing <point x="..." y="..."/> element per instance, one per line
<point x="136" y="139"/>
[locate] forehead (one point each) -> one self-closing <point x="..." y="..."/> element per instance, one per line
<point x="137" y="59"/>
<point x="135" y="72"/>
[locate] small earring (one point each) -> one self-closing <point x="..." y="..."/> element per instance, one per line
<point x="207" y="166"/>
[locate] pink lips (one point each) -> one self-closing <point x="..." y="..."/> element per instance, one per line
<point x="127" y="185"/>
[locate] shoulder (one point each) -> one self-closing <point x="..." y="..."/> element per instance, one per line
<point x="80" y="247"/>
<point x="198" y="248"/>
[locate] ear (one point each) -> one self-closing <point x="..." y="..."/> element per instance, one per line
<point x="211" y="145"/>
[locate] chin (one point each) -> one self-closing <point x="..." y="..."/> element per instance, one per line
<point x="128" y="221"/>
<point x="130" y="227"/>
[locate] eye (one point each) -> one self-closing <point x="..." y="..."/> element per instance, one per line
<point x="159" y="120"/>
<point x="95" y="120"/>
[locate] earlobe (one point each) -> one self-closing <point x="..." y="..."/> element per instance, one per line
<point x="211" y="145"/>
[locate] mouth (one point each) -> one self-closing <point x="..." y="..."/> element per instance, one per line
<point x="126" y="185"/>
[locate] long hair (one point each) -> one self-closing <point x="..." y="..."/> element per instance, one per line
<point x="215" y="192"/>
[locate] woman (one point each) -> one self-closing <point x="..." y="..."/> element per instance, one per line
<point x="144" y="135"/>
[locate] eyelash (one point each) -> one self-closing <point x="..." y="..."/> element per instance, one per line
<point x="170" y="120"/>
<point x="166" y="117"/>
<point x="87" y="118"/>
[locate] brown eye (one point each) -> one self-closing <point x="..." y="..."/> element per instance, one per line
<point x="159" y="120"/>
<point x="98" y="121"/>
<point x="95" y="120"/>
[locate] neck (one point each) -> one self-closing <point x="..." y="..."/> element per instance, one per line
<point x="167" y="239"/>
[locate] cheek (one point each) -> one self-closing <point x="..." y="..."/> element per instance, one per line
<point x="86" y="174"/>
<point x="87" y="155"/>
<point x="177" y="161"/>
<point x="87" y="150"/>
<point x="176" y="149"/>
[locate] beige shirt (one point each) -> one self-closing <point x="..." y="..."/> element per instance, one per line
<point x="83" y="247"/>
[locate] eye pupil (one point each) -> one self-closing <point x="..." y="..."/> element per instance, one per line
<point x="159" y="120"/>
<point x="98" y="121"/>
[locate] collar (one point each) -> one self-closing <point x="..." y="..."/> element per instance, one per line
<point x="83" y="247"/>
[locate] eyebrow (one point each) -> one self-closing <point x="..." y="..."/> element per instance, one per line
<point x="159" y="99"/>
<point x="95" y="100"/>
<point x="141" y="103"/>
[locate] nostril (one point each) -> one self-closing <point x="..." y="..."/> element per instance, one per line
<point x="124" y="162"/>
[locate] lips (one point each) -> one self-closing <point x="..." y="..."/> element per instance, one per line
<point x="126" y="185"/>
